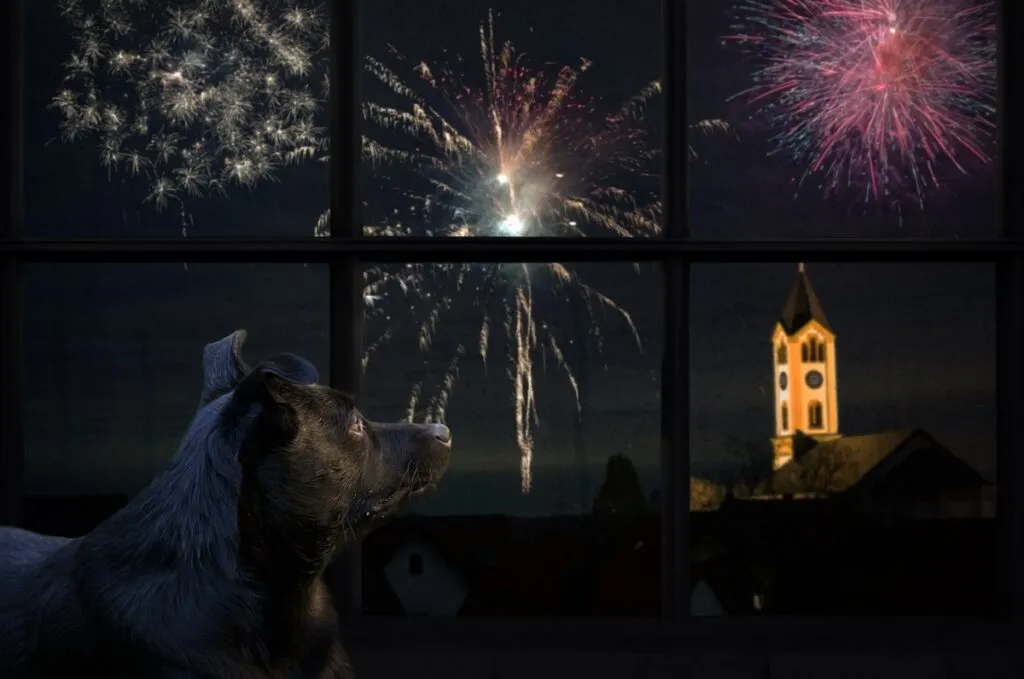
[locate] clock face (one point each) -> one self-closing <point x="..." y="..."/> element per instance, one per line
<point x="783" y="381"/>
<point x="814" y="379"/>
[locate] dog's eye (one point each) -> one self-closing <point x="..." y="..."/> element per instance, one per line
<point x="356" y="429"/>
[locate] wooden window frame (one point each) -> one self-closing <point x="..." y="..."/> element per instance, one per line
<point x="345" y="249"/>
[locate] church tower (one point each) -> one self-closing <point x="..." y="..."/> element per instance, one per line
<point x="804" y="368"/>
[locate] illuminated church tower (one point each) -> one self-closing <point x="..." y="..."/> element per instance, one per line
<point x="804" y="360"/>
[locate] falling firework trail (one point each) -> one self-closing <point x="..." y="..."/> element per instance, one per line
<point x="213" y="94"/>
<point x="875" y="94"/>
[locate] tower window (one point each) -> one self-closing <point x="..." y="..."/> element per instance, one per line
<point x="812" y="351"/>
<point x="785" y="417"/>
<point x="814" y="417"/>
<point x="780" y="355"/>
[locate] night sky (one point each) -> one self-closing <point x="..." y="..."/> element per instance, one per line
<point x="113" y="351"/>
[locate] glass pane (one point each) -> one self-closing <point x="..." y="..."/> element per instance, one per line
<point x="808" y="498"/>
<point x="196" y="119"/>
<point x="512" y="117"/>
<point x="549" y="377"/>
<point x="846" y="118"/>
<point x="113" y="355"/>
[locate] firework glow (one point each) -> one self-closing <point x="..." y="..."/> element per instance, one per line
<point x="876" y="95"/>
<point x="211" y="95"/>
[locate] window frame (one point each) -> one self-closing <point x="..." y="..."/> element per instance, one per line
<point x="344" y="250"/>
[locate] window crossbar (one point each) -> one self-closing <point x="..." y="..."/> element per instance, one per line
<point x="408" y="249"/>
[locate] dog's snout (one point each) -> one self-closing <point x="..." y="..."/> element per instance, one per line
<point x="440" y="432"/>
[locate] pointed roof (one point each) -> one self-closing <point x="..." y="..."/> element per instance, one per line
<point x="802" y="306"/>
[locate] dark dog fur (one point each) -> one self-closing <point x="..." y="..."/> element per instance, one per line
<point x="215" y="570"/>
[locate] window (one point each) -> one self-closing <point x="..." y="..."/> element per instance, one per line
<point x="813" y="351"/>
<point x="891" y="472"/>
<point x="781" y="357"/>
<point x="208" y="157"/>
<point x="549" y="505"/>
<point x="699" y="376"/>
<point x="549" y="112"/>
<point x="814" y="419"/>
<point x="752" y="66"/>
<point x="115" y="351"/>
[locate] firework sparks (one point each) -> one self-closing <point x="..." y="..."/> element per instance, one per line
<point x="521" y="155"/>
<point x="198" y="96"/>
<point x="875" y="94"/>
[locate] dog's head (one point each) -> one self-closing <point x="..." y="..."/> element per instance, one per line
<point x="315" y="471"/>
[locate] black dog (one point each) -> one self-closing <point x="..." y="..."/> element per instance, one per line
<point x="215" y="570"/>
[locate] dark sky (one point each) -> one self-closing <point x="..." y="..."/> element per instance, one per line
<point x="113" y="351"/>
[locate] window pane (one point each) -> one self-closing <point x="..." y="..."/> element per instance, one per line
<point x="515" y="117"/>
<point x="843" y="440"/>
<point x="113" y="358"/>
<point x="847" y="118"/>
<point x="199" y="118"/>
<point x="552" y="393"/>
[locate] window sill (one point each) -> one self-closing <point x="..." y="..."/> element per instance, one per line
<point x="651" y="635"/>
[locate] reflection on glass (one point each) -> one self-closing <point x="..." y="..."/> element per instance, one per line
<point x="552" y="393"/>
<point x="852" y="118"/>
<point x="478" y="125"/>
<point x="846" y="445"/>
<point x="113" y="359"/>
<point x="203" y="119"/>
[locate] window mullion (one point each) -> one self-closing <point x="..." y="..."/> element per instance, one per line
<point x="12" y="454"/>
<point x="1010" y="325"/>
<point x="346" y="298"/>
<point x="675" y="402"/>
<point x="1010" y="437"/>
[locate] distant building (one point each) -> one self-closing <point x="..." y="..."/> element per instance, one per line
<point x="804" y="359"/>
<point x="905" y="473"/>
<point x="423" y="580"/>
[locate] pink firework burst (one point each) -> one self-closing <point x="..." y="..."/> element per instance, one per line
<point x="878" y="95"/>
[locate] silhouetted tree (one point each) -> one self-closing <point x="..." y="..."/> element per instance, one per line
<point x="620" y="493"/>
<point x="705" y="495"/>
<point x="749" y="462"/>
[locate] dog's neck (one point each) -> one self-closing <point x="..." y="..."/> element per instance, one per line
<point x="173" y="548"/>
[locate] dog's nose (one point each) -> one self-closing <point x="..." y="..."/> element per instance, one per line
<point x="440" y="432"/>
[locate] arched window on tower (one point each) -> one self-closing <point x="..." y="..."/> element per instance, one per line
<point x="804" y="356"/>
<point x="814" y="417"/>
<point x="780" y="355"/>
<point x="785" y="417"/>
<point x="821" y="352"/>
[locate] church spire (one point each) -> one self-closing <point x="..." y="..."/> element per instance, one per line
<point x="802" y="305"/>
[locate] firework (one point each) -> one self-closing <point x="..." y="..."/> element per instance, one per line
<point x="214" y="94"/>
<point x="196" y="97"/>
<point x="520" y="154"/>
<point x="876" y="94"/>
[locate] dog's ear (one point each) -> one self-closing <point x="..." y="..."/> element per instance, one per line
<point x="274" y="380"/>
<point x="223" y="366"/>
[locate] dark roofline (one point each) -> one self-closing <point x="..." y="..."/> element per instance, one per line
<point x="868" y="480"/>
